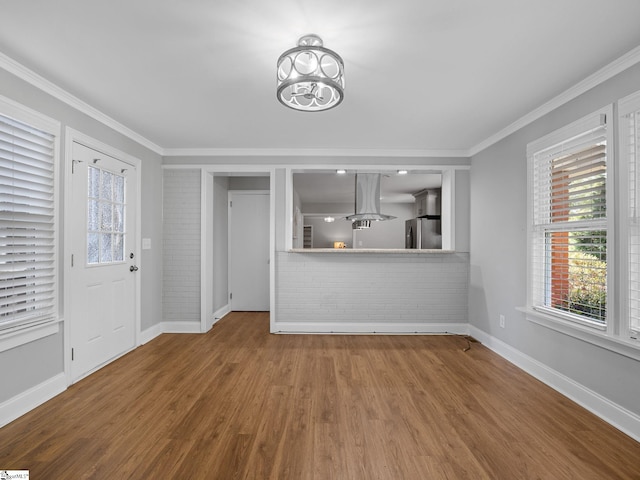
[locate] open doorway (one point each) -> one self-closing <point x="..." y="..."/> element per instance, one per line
<point x="237" y="243"/>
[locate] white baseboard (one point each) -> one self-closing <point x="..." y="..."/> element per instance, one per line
<point x="168" y="327"/>
<point x="180" y="327"/>
<point x="612" y="413"/>
<point x="29" y="399"/>
<point x="218" y="315"/>
<point x="150" y="333"/>
<point x="371" y="328"/>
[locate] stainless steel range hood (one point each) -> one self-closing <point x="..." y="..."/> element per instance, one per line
<point x="367" y="205"/>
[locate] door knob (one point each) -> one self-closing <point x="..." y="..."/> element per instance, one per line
<point x="133" y="268"/>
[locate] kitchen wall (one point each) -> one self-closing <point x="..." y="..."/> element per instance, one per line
<point x="387" y="234"/>
<point x="498" y="273"/>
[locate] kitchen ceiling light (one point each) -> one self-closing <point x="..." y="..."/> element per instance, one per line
<point x="310" y="77"/>
<point x="341" y="171"/>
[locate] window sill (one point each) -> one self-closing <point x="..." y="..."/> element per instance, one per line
<point x="22" y="334"/>
<point x="623" y="346"/>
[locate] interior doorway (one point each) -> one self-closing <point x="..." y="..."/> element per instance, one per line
<point x="224" y="290"/>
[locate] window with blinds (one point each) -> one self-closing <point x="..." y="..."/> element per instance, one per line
<point x="27" y="224"/>
<point x="629" y="111"/>
<point x="569" y="222"/>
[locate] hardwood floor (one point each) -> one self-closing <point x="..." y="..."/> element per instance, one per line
<point x="238" y="403"/>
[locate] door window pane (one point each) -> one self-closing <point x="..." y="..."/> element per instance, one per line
<point x="105" y="216"/>
<point x="93" y="215"/>
<point x="94" y="182"/>
<point x="106" y="186"/>
<point x="118" y="218"/>
<point x="106" y="255"/>
<point x="118" y="247"/>
<point x="118" y="191"/>
<point x="93" y="248"/>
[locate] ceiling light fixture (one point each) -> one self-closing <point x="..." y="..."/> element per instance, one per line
<point x="310" y="77"/>
<point x="341" y="171"/>
<point x="402" y="172"/>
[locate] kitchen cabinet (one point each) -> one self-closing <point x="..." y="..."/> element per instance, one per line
<point x="427" y="202"/>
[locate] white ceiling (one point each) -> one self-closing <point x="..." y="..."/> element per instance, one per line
<point x="421" y="75"/>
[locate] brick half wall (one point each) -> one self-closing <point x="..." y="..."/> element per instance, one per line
<point x="355" y="292"/>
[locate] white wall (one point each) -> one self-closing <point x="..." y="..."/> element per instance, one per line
<point x="182" y="255"/>
<point x="498" y="258"/>
<point x="324" y="234"/>
<point x="461" y="211"/>
<point x="249" y="183"/>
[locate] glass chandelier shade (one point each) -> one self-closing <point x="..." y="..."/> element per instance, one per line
<point x="310" y="77"/>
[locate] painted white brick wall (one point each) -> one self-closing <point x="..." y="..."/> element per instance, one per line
<point x="181" y="236"/>
<point x="372" y="289"/>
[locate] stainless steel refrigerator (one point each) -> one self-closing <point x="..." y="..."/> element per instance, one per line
<point x="424" y="233"/>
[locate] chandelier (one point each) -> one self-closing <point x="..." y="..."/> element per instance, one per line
<point x="310" y="77"/>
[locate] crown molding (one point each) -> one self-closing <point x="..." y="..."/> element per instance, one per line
<point x="311" y="152"/>
<point x="619" y="65"/>
<point x="57" y="92"/>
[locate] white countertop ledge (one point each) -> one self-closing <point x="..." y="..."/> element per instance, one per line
<point x="342" y="251"/>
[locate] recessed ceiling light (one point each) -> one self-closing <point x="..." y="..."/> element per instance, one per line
<point x="329" y="219"/>
<point x="402" y="172"/>
<point x="341" y="171"/>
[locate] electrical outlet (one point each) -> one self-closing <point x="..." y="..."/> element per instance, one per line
<point x="501" y="321"/>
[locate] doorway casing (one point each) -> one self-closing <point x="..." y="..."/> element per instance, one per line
<point x="71" y="136"/>
<point x="209" y="315"/>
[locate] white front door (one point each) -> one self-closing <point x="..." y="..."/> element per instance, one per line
<point x="249" y="251"/>
<point x="102" y="215"/>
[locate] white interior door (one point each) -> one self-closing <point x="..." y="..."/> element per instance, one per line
<point x="102" y="309"/>
<point x="249" y="251"/>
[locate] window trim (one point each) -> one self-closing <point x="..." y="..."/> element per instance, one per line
<point x="19" y="333"/>
<point x="566" y="134"/>
<point x="627" y="105"/>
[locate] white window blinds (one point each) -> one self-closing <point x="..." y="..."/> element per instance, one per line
<point x="570" y="179"/>
<point x="629" y="111"/>
<point x="27" y="224"/>
<point x="569" y="221"/>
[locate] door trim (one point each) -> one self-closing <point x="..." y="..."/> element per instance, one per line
<point x="71" y="136"/>
<point x="208" y="316"/>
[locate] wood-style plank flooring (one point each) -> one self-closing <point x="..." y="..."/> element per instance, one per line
<point x="239" y="403"/>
